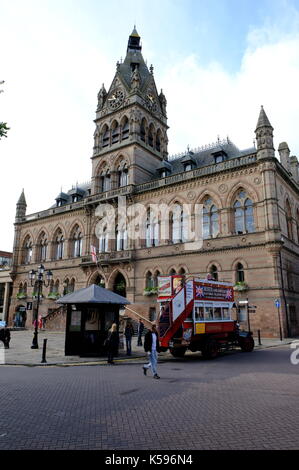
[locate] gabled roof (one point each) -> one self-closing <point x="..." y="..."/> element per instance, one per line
<point x="93" y="295"/>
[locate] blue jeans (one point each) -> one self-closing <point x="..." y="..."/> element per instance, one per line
<point x="153" y="361"/>
<point x="128" y="345"/>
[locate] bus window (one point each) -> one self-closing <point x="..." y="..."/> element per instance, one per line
<point x="217" y="313"/>
<point x="208" y="313"/>
<point x="199" y="313"/>
<point x="226" y="313"/>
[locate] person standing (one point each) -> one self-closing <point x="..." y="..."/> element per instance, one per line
<point x="112" y="343"/>
<point x="151" y="346"/>
<point x="129" y="332"/>
<point x="140" y="331"/>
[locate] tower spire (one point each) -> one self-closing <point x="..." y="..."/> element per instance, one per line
<point x="264" y="136"/>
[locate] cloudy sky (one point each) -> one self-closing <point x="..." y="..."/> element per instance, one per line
<point x="217" y="61"/>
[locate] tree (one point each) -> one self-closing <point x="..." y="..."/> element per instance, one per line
<point x="3" y="125"/>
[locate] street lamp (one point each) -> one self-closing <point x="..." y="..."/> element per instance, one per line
<point x="37" y="277"/>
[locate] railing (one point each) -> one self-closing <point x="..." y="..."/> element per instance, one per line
<point x="58" y="311"/>
<point x="126" y="255"/>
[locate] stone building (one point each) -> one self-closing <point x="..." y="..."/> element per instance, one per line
<point x="5" y="284"/>
<point x="250" y="201"/>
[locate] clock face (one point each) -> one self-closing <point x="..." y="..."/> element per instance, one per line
<point x="151" y="102"/>
<point x="116" y="99"/>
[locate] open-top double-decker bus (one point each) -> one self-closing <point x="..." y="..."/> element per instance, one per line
<point x="196" y="314"/>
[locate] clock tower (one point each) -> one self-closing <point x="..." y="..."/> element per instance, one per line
<point x="130" y="139"/>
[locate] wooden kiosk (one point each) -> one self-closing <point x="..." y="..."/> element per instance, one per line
<point x="90" y="314"/>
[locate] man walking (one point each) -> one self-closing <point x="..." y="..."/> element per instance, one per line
<point x="151" y="346"/>
<point x="140" y="331"/>
<point x="129" y="332"/>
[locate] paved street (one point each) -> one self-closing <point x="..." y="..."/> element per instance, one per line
<point x="239" y="401"/>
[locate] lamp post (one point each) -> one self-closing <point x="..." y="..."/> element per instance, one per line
<point x="38" y="277"/>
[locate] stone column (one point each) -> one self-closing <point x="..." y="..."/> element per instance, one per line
<point x="6" y="300"/>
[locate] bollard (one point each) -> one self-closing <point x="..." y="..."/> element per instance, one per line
<point x="44" y="352"/>
<point x="259" y="337"/>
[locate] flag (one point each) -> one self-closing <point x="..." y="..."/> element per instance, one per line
<point x="93" y="252"/>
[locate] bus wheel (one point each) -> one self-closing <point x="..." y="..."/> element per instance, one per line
<point x="178" y="352"/>
<point x="210" y="349"/>
<point x="247" y="344"/>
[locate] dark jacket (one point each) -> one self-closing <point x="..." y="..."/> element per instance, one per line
<point x="129" y="331"/>
<point x="148" y="341"/>
<point x="112" y="341"/>
<point x="140" y="328"/>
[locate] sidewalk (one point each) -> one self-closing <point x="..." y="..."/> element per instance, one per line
<point x="20" y="352"/>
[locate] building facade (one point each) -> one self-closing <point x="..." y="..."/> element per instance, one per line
<point x="5" y="284"/>
<point x="248" y="200"/>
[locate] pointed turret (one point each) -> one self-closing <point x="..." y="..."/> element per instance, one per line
<point x="21" y="206"/>
<point x="264" y="136"/>
<point x="134" y="41"/>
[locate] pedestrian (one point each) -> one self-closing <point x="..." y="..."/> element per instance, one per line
<point x="112" y="343"/>
<point x="140" y="331"/>
<point x="152" y="348"/>
<point x="129" y="332"/>
<point x="6" y="337"/>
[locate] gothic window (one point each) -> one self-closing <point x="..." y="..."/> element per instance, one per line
<point x="66" y="287"/>
<point x="59" y="245"/>
<point x="121" y="239"/>
<point x="104" y="241"/>
<point x="151" y="136"/>
<point x="125" y="128"/>
<point x="179" y="224"/>
<point x="105" y="136"/>
<point x="214" y="272"/>
<point x="240" y="277"/>
<point x="172" y="272"/>
<point x="123" y="176"/>
<point x="105" y="180"/>
<point x="42" y="247"/>
<point x="72" y="286"/>
<point x="77" y="239"/>
<point x="155" y="278"/>
<point x="56" y="287"/>
<point x="289" y="220"/>
<point x="152" y="229"/>
<point x="143" y="130"/>
<point x="243" y="213"/>
<point x="210" y="219"/>
<point x="149" y="280"/>
<point x="27" y="251"/>
<point x="115" y="129"/>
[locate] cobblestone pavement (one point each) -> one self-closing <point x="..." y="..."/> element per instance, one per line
<point x="238" y="401"/>
<point x="20" y="351"/>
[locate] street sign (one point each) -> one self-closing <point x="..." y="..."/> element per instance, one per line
<point x="243" y="302"/>
<point x="29" y="306"/>
<point x="277" y="303"/>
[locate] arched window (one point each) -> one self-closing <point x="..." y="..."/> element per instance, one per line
<point x="172" y="272"/>
<point x="240" y="277"/>
<point x="179" y="224"/>
<point x="105" y="136"/>
<point x="123" y="176"/>
<point x="243" y="213"/>
<point x="56" y="287"/>
<point x="42" y="247"/>
<point x="104" y="241"/>
<point x="72" y="286"/>
<point x="149" y="280"/>
<point x="59" y="245"/>
<point x="155" y="278"/>
<point x="66" y="287"/>
<point x="214" y="272"/>
<point x="105" y="180"/>
<point x="151" y="132"/>
<point x="115" y="132"/>
<point x="210" y="219"/>
<point x="143" y="130"/>
<point x="152" y="229"/>
<point x="289" y="220"/>
<point x="27" y="257"/>
<point x="125" y="128"/>
<point x="121" y="239"/>
<point x="77" y="239"/>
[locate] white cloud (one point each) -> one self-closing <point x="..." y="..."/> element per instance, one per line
<point x="204" y="102"/>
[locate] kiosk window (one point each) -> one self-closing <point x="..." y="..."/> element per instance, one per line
<point x="75" y="324"/>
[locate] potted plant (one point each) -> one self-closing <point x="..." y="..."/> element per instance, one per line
<point x="150" y="291"/>
<point x="21" y="295"/>
<point x="53" y="295"/>
<point x="240" y="286"/>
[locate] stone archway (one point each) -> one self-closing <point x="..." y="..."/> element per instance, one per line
<point x="120" y="285"/>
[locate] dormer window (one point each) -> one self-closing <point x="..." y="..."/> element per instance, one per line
<point x="188" y="167"/>
<point x="163" y="174"/>
<point x="75" y="198"/>
<point x="219" y="159"/>
<point x="219" y="156"/>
